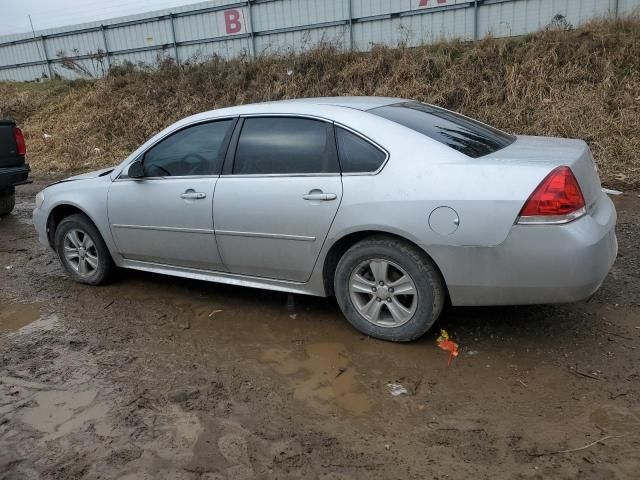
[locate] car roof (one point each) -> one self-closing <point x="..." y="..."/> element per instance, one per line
<point x="359" y="103"/>
<point x="298" y="104"/>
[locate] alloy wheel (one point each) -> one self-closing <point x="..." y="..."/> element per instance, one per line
<point x="80" y="252"/>
<point x="383" y="293"/>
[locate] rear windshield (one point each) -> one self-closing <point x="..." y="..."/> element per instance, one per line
<point x="463" y="134"/>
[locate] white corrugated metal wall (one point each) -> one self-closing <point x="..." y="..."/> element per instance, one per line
<point x="230" y="28"/>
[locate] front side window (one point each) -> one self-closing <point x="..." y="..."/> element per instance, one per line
<point x="283" y="145"/>
<point x="193" y="150"/>
<point x="463" y="134"/>
<point x="356" y="154"/>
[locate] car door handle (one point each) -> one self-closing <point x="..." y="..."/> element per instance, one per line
<point x="191" y="195"/>
<point x="324" y="197"/>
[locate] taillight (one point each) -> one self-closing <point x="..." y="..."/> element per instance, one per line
<point x="558" y="199"/>
<point x="22" y="147"/>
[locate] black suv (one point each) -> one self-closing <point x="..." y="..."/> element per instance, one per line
<point x="13" y="168"/>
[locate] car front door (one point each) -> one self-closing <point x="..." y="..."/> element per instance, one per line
<point x="274" y="204"/>
<point x="166" y="216"/>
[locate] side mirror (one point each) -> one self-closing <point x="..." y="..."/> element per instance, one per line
<point x="136" y="170"/>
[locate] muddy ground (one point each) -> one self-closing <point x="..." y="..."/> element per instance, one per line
<point x="160" y="378"/>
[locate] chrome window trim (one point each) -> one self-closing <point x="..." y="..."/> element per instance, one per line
<point x="366" y="139"/>
<point x="168" y="134"/>
<point x="120" y="176"/>
<point x="326" y="120"/>
<point x="289" y="115"/>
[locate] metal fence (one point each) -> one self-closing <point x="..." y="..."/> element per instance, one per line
<point x="229" y="28"/>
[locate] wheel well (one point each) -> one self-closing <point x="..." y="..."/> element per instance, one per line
<point x="56" y="216"/>
<point x="338" y="249"/>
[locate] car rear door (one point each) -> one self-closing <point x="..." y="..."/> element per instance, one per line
<point x="278" y="195"/>
<point x="166" y="217"/>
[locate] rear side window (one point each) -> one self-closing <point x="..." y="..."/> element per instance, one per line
<point x="357" y="155"/>
<point x="463" y="134"/>
<point x="283" y="145"/>
<point x="193" y="150"/>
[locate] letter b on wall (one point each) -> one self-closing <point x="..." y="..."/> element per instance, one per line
<point x="232" y="21"/>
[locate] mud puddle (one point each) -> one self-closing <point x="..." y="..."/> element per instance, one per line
<point x="14" y="316"/>
<point x="59" y="412"/>
<point x="303" y="345"/>
<point x="321" y="374"/>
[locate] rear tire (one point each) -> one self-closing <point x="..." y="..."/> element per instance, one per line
<point x="389" y="289"/>
<point x="82" y="251"/>
<point x="7" y="200"/>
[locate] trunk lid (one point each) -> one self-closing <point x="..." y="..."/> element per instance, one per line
<point x="555" y="152"/>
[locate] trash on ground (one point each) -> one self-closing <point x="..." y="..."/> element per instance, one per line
<point x="214" y="312"/>
<point x="396" y="389"/>
<point x="448" y="345"/>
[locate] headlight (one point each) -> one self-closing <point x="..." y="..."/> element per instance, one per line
<point x="39" y="199"/>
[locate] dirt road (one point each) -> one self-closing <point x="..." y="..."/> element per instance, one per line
<point x="160" y="378"/>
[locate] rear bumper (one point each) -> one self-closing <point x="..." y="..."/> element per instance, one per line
<point x="14" y="175"/>
<point x="536" y="264"/>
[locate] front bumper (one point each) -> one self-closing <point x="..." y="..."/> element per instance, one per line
<point x="537" y="264"/>
<point x="40" y="224"/>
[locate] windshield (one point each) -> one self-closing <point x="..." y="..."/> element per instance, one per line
<point x="463" y="134"/>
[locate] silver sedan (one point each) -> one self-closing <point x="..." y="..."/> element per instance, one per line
<point x="391" y="205"/>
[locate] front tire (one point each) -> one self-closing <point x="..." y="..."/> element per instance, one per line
<point x="389" y="289"/>
<point x="82" y="251"/>
<point x="7" y="200"/>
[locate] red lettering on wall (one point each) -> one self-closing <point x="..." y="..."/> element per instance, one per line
<point x="232" y="21"/>
<point x="425" y="3"/>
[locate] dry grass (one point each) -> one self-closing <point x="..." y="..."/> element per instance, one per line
<point x="583" y="84"/>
